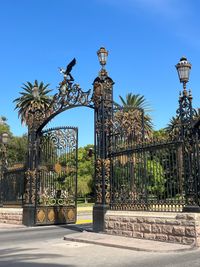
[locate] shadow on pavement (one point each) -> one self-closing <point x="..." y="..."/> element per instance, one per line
<point x="77" y="227"/>
<point x="22" y="258"/>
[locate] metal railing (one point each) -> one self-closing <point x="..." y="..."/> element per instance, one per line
<point x="149" y="176"/>
<point x="12" y="187"/>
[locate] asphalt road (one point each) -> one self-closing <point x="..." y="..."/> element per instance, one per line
<point x="44" y="246"/>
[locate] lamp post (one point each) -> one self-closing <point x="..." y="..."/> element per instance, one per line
<point x="4" y="137"/>
<point x="186" y="115"/>
<point x="185" y="111"/>
<point x="102" y="55"/>
<point x="183" y="68"/>
<point x="103" y="102"/>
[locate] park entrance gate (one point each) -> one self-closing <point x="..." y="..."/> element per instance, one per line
<point x="132" y="172"/>
<point x="57" y="176"/>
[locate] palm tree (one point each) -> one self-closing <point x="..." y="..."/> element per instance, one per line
<point x="34" y="95"/>
<point x="173" y="123"/>
<point x="133" y="112"/>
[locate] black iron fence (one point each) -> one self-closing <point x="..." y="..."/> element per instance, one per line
<point x="151" y="175"/>
<point x="12" y="186"/>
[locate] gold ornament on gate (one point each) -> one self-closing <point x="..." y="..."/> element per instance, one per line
<point x="58" y="168"/>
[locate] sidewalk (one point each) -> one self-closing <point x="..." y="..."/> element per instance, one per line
<point x="86" y="235"/>
<point x="4" y="226"/>
<point x="126" y="242"/>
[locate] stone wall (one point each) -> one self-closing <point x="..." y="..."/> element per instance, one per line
<point x="11" y="215"/>
<point x="181" y="228"/>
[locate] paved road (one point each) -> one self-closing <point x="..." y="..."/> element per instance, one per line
<point x="44" y="246"/>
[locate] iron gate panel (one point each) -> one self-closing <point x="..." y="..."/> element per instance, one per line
<point x="12" y="186"/>
<point x="147" y="176"/>
<point x="57" y="176"/>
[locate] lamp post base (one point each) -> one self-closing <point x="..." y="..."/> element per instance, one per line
<point x="28" y="215"/>
<point x="191" y="209"/>
<point x="99" y="212"/>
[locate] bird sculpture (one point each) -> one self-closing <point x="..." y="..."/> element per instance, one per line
<point x="66" y="72"/>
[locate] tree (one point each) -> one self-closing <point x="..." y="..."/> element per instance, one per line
<point x="160" y="135"/>
<point x="4" y="127"/>
<point x="34" y="95"/>
<point x="18" y="149"/>
<point x="85" y="171"/>
<point x="133" y="117"/>
<point x="17" y="145"/>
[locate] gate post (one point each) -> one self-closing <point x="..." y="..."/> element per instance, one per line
<point x="36" y="116"/>
<point x="186" y="114"/>
<point x="103" y="101"/>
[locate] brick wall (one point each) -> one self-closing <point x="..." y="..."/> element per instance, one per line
<point x="11" y="215"/>
<point x="181" y="228"/>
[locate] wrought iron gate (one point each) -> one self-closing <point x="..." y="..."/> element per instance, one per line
<point x="56" y="185"/>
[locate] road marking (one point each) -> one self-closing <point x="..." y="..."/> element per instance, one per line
<point x="83" y="221"/>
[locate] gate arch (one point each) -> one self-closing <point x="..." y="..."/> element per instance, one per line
<point x="69" y="96"/>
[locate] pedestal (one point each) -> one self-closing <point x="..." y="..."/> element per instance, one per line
<point x="98" y="217"/>
<point x="188" y="208"/>
<point x="28" y="215"/>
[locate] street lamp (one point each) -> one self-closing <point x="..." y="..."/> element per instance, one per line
<point x="102" y="55"/>
<point x="183" y="68"/>
<point x="4" y="138"/>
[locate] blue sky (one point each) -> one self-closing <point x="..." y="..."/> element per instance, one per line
<point x="145" y="39"/>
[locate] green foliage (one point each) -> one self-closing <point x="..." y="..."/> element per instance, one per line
<point x="135" y="101"/>
<point x="147" y="174"/>
<point x="4" y="127"/>
<point x="160" y="135"/>
<point x="155" y="174"/>
<point x="133" y="107"/>
<point x="17" y="145"/>
<point x="85" y="171"/>
<point x="32" y="95"/>
<point x="17" y="149"/>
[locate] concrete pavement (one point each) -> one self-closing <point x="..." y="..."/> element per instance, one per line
<point x="85" y="235"/>
<point x="126" y="242"/>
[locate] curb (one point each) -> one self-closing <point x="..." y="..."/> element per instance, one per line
<point x="99" y="241"/>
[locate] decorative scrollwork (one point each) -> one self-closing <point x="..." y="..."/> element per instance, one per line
<point x="30" y="186"/>
<point x="103" y="166"/>
<point x="61" y="137"/>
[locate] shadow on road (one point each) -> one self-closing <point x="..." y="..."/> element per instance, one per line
<point x="78" y="228"/>
<point x="22" y="258"/>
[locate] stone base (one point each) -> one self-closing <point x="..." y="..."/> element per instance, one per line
<point x="29" y="215"/>
<point x="182" y="228"/>
<point x="11" y="215"/>
<point x="99" y="212"/>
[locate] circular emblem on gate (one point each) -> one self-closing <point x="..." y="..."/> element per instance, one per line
<point x="71" y="215"/>
<point x="58" y="168"/>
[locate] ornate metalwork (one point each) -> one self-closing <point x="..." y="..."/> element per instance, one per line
<point x="185" y="114"/>
<point x="12" y="186"/>
<point x="147" y="176"/>
<point x="103" y="100"/>
<point x="30" y="186"/>
<point x="69" y="95"/>
<point x="102" y="165"/>
<point x="57" y="174"/>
